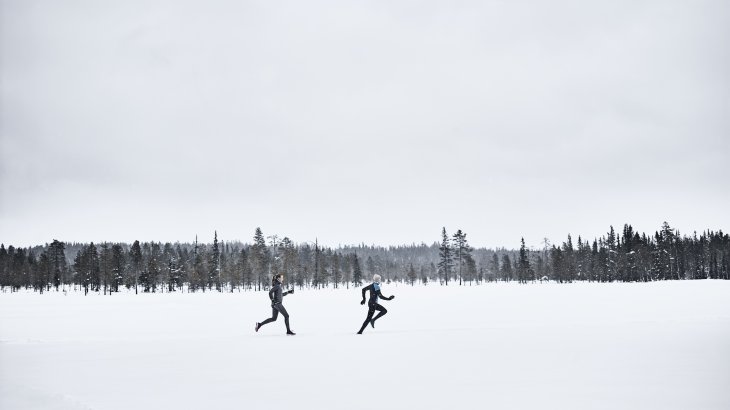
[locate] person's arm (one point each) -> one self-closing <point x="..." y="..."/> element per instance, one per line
<point x="288" y="292"/>
<point x="383" y="297"/>
<point x="271" y="294"/>
<point x="365" y="289"/>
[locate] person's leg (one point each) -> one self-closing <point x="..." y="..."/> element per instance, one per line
<point x="284" y="313"/>
<point x="381" y="311"/>
<point x="367" y="319"/>
<point x="274" y="315"/>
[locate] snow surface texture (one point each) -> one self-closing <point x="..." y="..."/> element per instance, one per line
<point x="662" y="345"/>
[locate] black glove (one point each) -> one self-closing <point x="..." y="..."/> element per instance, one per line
<point x="392" y="297"/>
<point x="363" y="302"/>
<point x="291" y="291"/>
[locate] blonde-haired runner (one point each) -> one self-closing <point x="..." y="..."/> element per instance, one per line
<point x="373" y="304"/>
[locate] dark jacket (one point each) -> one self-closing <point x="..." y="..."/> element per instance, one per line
<point x="276" y="294"/>
<point x="374" y="289"/>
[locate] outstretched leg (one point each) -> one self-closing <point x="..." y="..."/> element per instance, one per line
<point x="274" y="315"/>
<point x="381" y="311"/>
<point x="371" y="311"/>
<point x="284" y="313"/>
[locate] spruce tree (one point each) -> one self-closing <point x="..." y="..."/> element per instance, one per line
<point x="43" y="273"/>
<point x="259" y="258"/>
<point x="214" y="265"/>
<point x="153" y="267"/>
<point x="4" y="268"/>
<point x="135" y="258"/>
<point x="446" y="259"/>
<point x="118" y="266"/>
<point x="105" y="265"/>
<point x="524" y="269"/>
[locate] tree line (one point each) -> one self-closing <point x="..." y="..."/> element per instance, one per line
<point x="235" y="266"/>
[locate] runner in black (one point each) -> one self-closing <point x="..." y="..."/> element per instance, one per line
<point x="373" y="304"/>
<point x="276" y="295"/>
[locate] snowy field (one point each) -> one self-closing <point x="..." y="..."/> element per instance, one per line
<point x="660" y="345"/>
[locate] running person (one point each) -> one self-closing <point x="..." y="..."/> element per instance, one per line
<point x="277" y="295"/>
<point x="373" y="304"/>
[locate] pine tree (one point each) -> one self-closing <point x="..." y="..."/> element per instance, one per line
<point x="288" y="259"/>
<point x="461" y="250"/>
<point x="494" y="266"/>
<point x="86" y="265"/>
<point x="57" y="258"/>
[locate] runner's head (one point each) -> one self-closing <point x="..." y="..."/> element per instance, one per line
<point x="376" y="278"/>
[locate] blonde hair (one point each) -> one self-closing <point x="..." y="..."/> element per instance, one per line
<point x="376" y="278"/>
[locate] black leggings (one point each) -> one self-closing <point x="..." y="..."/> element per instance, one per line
<point x="371" y="310"/>
<point x="275" y="309"/>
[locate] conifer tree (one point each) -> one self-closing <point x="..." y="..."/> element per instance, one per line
<point x="524" y="270"/>
<point x="506" y="271"/>
<point x="446" y="259"/>
<point x="153" y="267"/>
<point x="105" y="266"/>
<point x="412" y="274"/>
<point x="135" y="258"/>
<point x="494" y="266"/>
<point x="356" y="271"/>
<point x="259" y="258"/>
<point x="461" y="250"/>
<point x="214" y="265"/>
<point x="57" y="258"/>
<point x="43" y="273"/>
<point x="118" y="264"/>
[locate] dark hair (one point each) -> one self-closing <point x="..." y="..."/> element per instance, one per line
<point x="273" y="279"/>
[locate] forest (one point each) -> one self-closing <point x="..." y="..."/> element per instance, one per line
<point x="626" y="256"/>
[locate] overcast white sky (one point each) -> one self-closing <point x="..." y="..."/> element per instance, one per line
<point x="366" y="121"/>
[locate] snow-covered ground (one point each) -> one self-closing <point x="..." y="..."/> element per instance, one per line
<point x="659" y="345"/>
